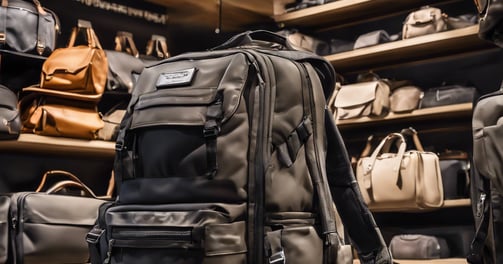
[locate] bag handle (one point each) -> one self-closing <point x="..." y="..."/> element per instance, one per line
<point x="415" y="138"/>
<point x="69" y="183"/>
<point x="53" y="173"/>
<point x="124" y="42"/>
<point x="251" y="37"/>
<point x="91" y="37"/>
<point x="158" y="45"/>
<point x="385" y="145"/>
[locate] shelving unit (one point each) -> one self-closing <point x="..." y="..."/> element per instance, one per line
<point x="35" y="143"/>
<point x="423" y="50"/>
<point x="448" y="111"/>
<point x="344" y="13"/>
<point x="414" y="50"/>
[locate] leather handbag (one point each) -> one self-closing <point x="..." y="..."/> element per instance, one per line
<point x="418" y="246"/>
<point x="396" y="179"/>
<point x="427" y="20"/>
<point x="490" y="17"/>
<point x="360" y="100"/>
<point x="124" y="66"/>
<point x="61" y="117"/>
<point x="405" y="99"/>
<point x="47" y="226"/>
<point x="447" y="95"/>
<point x="156" y="49"/>
<point x="112" y="120"/>
<point x="10" y="122"/>
<point x="76" y="69"/>
<point x="27" y="27"/>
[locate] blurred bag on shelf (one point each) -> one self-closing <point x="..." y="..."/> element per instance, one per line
<point x="418" y="246"/>
<point x="10" y="122"/>
<point x="360" y="100"/>
<point x="447" y="95"/>
<point x="27" y="27"/>
<point x="427" y="20"/>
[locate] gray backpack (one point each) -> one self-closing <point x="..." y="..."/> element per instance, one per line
<point x="230" y="156"/>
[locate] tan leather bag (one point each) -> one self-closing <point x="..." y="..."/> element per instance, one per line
<point x="51" y="116"/>
<point x="360" y="99"/>
<point x="405" y="99"/>
<point x="424" y="21"/>
<point x="80" y="69"/>
<point x="401" y="180"/>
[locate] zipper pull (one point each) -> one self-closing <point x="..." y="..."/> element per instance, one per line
<point x="109" y="252"/>
<point x="480" y="205"/>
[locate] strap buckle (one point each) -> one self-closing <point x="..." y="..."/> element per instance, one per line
<point x="2" y="37"/>
<point x="278" y="258"/>
<point x="94" y="235"/>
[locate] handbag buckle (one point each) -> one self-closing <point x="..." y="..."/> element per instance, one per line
<point x="278" y="258"/>
<point x="2" y="37"/>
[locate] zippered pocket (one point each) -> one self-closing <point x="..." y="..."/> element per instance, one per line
<point x="179" y="233"/>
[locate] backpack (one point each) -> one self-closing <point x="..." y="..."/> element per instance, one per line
<point x="230" y="156"/>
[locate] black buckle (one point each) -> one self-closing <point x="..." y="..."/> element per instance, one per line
<point x="94" y="235"/>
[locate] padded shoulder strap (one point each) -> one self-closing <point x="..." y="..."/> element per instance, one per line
<point x="354" y="213"/>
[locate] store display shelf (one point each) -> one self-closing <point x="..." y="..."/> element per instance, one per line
<point x="432" y="261"/>
<point x="424" y="48"/>
<point x="448" y="111"/>
<point x="457" y="203"/>
<point x="346" y="12"/>
<point x="35" y="143"/>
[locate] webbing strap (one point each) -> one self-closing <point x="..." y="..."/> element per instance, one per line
<point x="483" y="211"/>
<point x="287" y="151"/>
<point x="3" y="22"/>
<point x="211" y="130"/>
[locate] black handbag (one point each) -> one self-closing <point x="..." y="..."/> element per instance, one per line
<point x="46" y="226"/>
<point x="124" y="66"/>
<point x="27" y="27"/>
<point x="10" y="121"/>
<point x="447" y="95"/>
<point x="490" y="20"/>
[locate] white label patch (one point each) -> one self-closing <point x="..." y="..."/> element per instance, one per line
<point x="177" y="78"/>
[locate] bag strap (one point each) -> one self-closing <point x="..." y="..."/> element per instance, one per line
<point x="91" y="37"/>
<point x="346" y="194"/>
<point x="415" y="138"/>
<point x="385" y="145"/>
<point x="124" y="42"/>
<point x="54" y="173"/>
<point x="159" y="45"/>
<point x="252" y="37"/>
<point x="483" y="211"/>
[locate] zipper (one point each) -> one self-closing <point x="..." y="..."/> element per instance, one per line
<point x="168" y="235"/>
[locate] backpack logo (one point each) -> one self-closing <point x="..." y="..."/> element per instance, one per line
<point x="176" y="78"/>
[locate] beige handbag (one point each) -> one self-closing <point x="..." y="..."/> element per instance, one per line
<point x="424" y="21"/>
<point x="360" y="99"/>
<point x="405" y="99"/>
<point x="405" y="180"/>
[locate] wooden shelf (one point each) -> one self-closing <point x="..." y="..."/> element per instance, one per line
<point x="448" y="111"/>
<point x="346" y="12"/>
<point x="457" y="203"/>
<point x="424" y="48"/>
<point x="57" y="145"/>
<point x="432" y="261"/>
